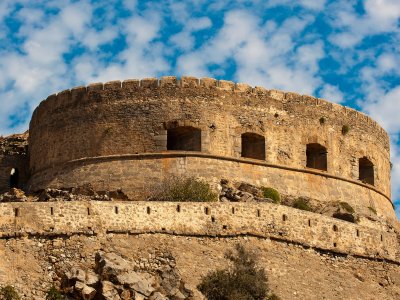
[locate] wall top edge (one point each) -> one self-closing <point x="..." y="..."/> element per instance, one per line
<point x="205" y="83"/>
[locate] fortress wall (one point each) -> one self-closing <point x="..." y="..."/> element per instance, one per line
<point x="137" y="175"/>
<point x="133" y="117"/>
<point x="198" y="219"/>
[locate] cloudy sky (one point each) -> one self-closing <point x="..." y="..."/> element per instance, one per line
<point x="347" y="51"/>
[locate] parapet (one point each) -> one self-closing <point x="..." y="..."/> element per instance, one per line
<point x="70" y="96"/>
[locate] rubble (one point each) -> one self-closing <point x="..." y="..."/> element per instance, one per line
<point x="114" y="277"/>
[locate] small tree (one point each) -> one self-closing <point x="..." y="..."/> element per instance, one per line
<point x="183" y="189"/>
<point x="271" y="193"/>
<point x="8" y="293"/>
<point x="242" y="281"/>
<point x="54" y="294"/>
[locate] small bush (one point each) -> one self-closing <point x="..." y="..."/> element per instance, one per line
<point x="188" y="189"/>
<point x="322" y="120"/>
<point x="373" y="210"/>
<point x="243" y="280"/>
<point x="54" y="294"/>
<point x="345" y="129"/>
<point x="302" y="203"/>
<point x="347" y="207"/>
<point x="273" y="297"/>
<point x="272" y="194"/>
<point x="8" y="293"/>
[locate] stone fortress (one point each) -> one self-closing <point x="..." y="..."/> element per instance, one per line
<point x="128" y="135"/>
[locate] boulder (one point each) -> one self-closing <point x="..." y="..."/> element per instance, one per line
<point x="91" y="279"/>
<point x="88" y="293"/>
<point x="109" y="291"/>
<point x="158" y="296"/>
<point x="109" y="265"/>
<point x="137" y="282"/>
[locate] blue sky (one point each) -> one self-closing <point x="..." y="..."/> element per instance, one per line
<point x="346" y="51"/>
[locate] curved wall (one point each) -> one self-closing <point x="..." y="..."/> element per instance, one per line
<point x="133" y="117"/>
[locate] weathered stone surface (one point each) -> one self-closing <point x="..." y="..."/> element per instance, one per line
<point x="110" y="265"/>
<point x="88" y="293"/>
<point x="136" y="281"/>
<point x="109" y="292"/>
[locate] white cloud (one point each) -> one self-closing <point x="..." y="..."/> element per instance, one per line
<point x="381" y="16"/>
<point x="331" y="93"/>
<point x="264" y="54"/>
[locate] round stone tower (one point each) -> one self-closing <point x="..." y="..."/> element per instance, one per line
<point x="129" y="135"/>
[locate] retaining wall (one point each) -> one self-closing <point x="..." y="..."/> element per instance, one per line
<point x="198" y="219"/>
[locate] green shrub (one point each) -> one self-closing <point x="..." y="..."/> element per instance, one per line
<point x="188" y="189"/>
<point x="271" y="193"/>
<point x="273" y="297"/>
<point x="347" y="207"/>
<point x="8" y="293"/>
<point x="322" y="120"/>
<point x="243" y="280"/>
<point x="373" y="210"/>
<point x="345" y="129"/>
<point x="54" y="294"/>
<point x="302" y="203"/>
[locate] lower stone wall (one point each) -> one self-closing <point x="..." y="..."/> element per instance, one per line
<point x="136" y="175"/>
<point x="198" y="219"/>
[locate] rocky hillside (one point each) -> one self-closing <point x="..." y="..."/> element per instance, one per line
<point x="153" y="266"/>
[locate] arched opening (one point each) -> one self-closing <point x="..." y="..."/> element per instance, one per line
<point x="184" y="138"/>
<point x="366" y="170"/>
<point x="317" y="157"/>
<point x="14" y="178"/>
<point x="253" y="146"/>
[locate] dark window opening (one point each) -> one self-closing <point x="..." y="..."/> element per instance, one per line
<point x="51" y="211"/>
<point x="116" y="209"/>
<point x="317" y="157"/>
<point x="16" y="212"/>
<point x="178" y="208"/>
<point x="309" y="223"/>
<point x="213" y="219"/>
<point x="284" y="217"/>
<point x="253" y="146"/>
<point x="14" y="178"/>
<point x="233" y="210"/>
<point x="88" y="211"/>
<point x="148" y="210"/>
<point x="335" y="228"/>
<point x="366" y="171"/>
<point x="358" y="233"/>
<point x="258" y="213"/>
<point x="184" y="138"/>
<point x="206" y="210"/>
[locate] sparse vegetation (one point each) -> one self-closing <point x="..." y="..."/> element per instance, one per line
<point x="302" y="203"/>
<point x="322" y="120"/>
<point x="271" y="193"/>
<point x="345" y="129"/>
<point x="8" y="293"/>
<point x="347" y="207"/>
<point x="54" y="294"/>
<point x="185" y="189"/>
<point x="242" y="280"/>
<point x="373" y="210"/>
